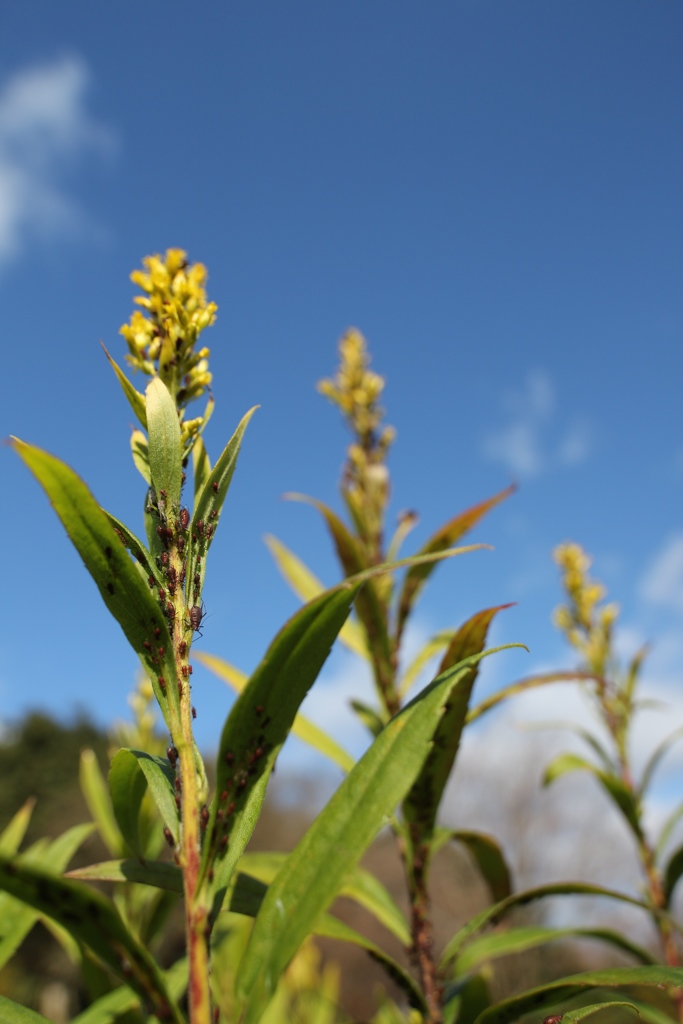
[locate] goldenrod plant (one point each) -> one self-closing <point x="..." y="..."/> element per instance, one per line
<point x="174" y="840"/>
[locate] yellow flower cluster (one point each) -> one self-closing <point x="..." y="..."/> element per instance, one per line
<point x="587" y="627"/>
<point x="162" y="340"/>
<point x="356" y="390"/>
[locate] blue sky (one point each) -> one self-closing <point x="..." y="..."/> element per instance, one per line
<point x="490" y="191"/>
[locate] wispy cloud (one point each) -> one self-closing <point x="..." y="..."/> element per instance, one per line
<point x="45" y="131"/>
<point x="529" y="444"/>
<point x="662" y="584"/>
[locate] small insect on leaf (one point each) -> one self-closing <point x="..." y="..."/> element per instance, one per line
<point x="554" y="1018"/>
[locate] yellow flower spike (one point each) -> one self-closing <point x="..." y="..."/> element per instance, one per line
<point x="163" y="330"/>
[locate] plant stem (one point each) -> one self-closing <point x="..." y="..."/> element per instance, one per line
<point x="423" y="945"/>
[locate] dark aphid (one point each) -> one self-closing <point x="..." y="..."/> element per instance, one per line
<point x="183" y="669"/>
<point x="172" y="755"/>
<point x="194" y="712"/>
<point x="215" y="486"/>
<point x="224" y="842"/>
<point x="147" y="644"/>
<point x="182" y="575"/>
<point x="170" y="611"/>
<point x="209" y="532"/>
<point x="212" y="515"/>
<point x="230" y="808"/>
<point x="229" y="757"/>
<point x="182" y="648"/>
<point x="164" y="558"/>
<point x="200" y="527"/>
<point x="162" y="652"/>
<point x="181" y="544"/>
<point x="172" y="579"/>
<point x="178" y="784"/>
<point x="259" y="709"/>
<point x="108" y="551"/>
<point x="168" y="836"/>
<point x="196" y="615"/>
<point x="162" y="594"/>
<point x="180" y="689"/>
<point x="110" y="588"/>
<point x="189" y="669"/>
<point x="194" y="538"/>
<point x="204" y="816"/>
<point x="162" y="684"/>
<point x="197" y="580"/>
<point x="157" y="632"/>
<point x="177" y="802"/>
<point x="150" y="580"/>
<point x="184" y="518"/>
<point x="224" y="795"/>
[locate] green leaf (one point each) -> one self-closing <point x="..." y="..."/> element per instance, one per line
<point x="13" y="833"/>
<point x="550" y="994"/>
<point x="672" y="873"/>
<point x="360" y="885"/>
<point x="302" y="727"/>
<point x="369" y="717"/>
<point x="109" y="1007"/>
<point x="90" y="918"/>
<point x="127" y="596"/>
<point x="444" y="538"/>
<point x="131" y="772"/>
<point x="494" y="914"/>
<point x="17" y="919"/>
<point x="136" y="400"/>
<point x="201" y="465"/>
<point x="165" y="455"/>
<point x="260" y="721"/>
<point x="139" y="448"/>
<point x="466" y="999"/>
<point x="314" y="872"/>
<point x="368" y="605"/>
<point x="655" y="758"/>
<point x="490" y="860"/>
<point x="613" y="785"/>
<point x="332" y="928"/>
<point x="96" y="794"/>
<point x="422" y="803"/>
<point x="518" y="940"/>
<point x="588" y="1011"/>
<point x="13" y="1013"/>
<point x="521" y="687"/>
<point x="668" y="827"/>
<point x="156" y="873"/>
<point x="208" y="506"/>
<point x="307" y="586"/>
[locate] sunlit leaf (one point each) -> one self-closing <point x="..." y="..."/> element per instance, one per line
<point x="136" y="400"/>
<point x="422" y="803"/>
<point x="13" y="1013"/>
<point x="314" y="872"/>
<point x="93" y="920"/>
<point x="534" y="1000"/>
<point x="521" y="687"/>
<point x="139" y="449"/>
<point x="96" y="794"/>
<point x="489" y="859"/>
<point x="307" y="586"/>
<point x="127" y="596"/>
<point x="494" y="914"/>
<point x="209" y="501"/>
<point x="446" y="537"/>
<point x="302" y="727"/>
<point x="165" y="456"/>
<point x="14" y="832"/>
<point x="614" y="786"/>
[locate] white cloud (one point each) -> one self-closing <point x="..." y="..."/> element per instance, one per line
<point x="662" y="583"/>
<point x="45" y="130"/>
<point x="522" y="445"/>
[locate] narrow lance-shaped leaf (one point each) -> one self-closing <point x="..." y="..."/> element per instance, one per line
<point x="165" y="456"/>
<point x="14" y="832"/>
<point x="139" y="449"/>
<point x="611" y="783"/>
<point x="446" y="537"/>
<point x="302" y="728"/>
<point x="125" y="593"/>
<point x="519" y="940"/>
<point x="368" y="605"/>
<point x="259" y="723"/>
<point x="668" y="828"/>
<point x="96" y="794"/>
<point x="536" y="999"/>
<point x="490" y="861"/>
<point x="433" y="646"/>
<point x="655" y="758"/>
<point x="422" y="803"/>
<point x="136" y="400"/>
<point x="672" y="873"/>
<point x="201" y="465"/>
<point x="135" y="770"/>
<point x="313" y="873"/>
<point x="307" y="586"/>
<point x="208" y="506"/>
<point x="521" y="687"/>
<point x="494" y="914"/>
<point x="13" y="1013"/>
<point x="93" y="920"/>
